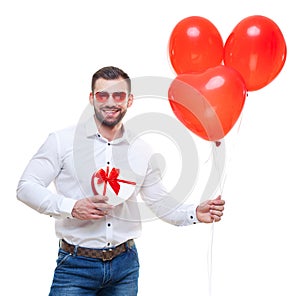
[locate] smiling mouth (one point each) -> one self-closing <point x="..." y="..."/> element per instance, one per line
<point x="110" y="112"/>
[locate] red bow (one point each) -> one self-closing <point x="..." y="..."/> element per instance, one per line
<point x="108" y="177"/>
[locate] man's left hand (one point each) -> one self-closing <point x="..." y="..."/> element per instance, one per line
<point x="211" y="210"/>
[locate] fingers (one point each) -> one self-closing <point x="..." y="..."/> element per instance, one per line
<point x="101" y="205"/>
<point x="216" y="215"/>
<point x="218" y="201"/>
<point x="104" y="208"/>
<point x="99" y="198"/>
<point x="95" y="207"/>
<point x="217" y="208"/>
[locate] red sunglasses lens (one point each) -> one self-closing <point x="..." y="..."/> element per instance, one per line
<point x="119" y="96"/>
<point x="101" y="96"/>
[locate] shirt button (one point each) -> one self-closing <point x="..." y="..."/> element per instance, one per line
<point x="108" y="144"/>
<point x="108" y="162"/>
<point x="108" y="244"/>
<point x="192" y="217"/>
<point x="108" y="224"/>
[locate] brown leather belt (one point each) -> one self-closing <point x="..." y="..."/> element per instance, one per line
<point x="103" y="254"/>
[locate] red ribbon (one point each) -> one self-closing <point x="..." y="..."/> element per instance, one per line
<point x="109" y="177"/>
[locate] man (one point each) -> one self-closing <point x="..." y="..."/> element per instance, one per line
<point x="99" y="169"/>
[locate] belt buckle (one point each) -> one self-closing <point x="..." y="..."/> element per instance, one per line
<point x="107" y="255"/>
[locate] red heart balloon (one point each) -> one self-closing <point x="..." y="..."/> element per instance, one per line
<point x="208" y="103"/>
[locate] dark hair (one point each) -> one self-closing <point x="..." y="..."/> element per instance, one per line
<point x="111" y="73"/>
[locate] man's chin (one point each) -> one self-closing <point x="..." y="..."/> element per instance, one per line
<point x="109" y="123"/>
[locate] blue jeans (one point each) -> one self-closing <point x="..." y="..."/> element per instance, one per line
<point x="76" y="275"/>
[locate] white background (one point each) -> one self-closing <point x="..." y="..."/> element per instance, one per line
<point x="50" y="49"/>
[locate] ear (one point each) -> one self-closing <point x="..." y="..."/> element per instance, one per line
<point x="91" y="98"/>
<point x="130" y="100"/>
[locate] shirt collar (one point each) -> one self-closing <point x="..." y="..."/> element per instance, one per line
<point x="91" y="130"/>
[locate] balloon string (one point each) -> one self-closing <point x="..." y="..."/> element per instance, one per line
<point x="209" y="258"/>
<point x="211" y="235"/>
<point x="230" y="155"/>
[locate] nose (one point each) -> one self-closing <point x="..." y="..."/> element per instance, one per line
<point x="110" y="101"/>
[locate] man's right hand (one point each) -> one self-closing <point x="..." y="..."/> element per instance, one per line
<point x="91" y="208"/>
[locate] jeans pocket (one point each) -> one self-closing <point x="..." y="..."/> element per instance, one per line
<point x="62" y="258"/>
<point x="134" y="253"/>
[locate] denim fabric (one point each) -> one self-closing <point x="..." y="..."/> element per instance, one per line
<point x="76" y="275"/>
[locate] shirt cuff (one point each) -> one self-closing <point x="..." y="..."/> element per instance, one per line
<point x="192" y="216"/>
<point x="66" y="207"/>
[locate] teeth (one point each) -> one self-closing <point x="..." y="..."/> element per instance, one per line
<point x="110" y="112"/>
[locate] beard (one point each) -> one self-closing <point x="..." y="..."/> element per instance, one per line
<point x="108" y="120"/>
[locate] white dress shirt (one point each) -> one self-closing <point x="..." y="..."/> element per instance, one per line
<point x="70" y="157"/>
